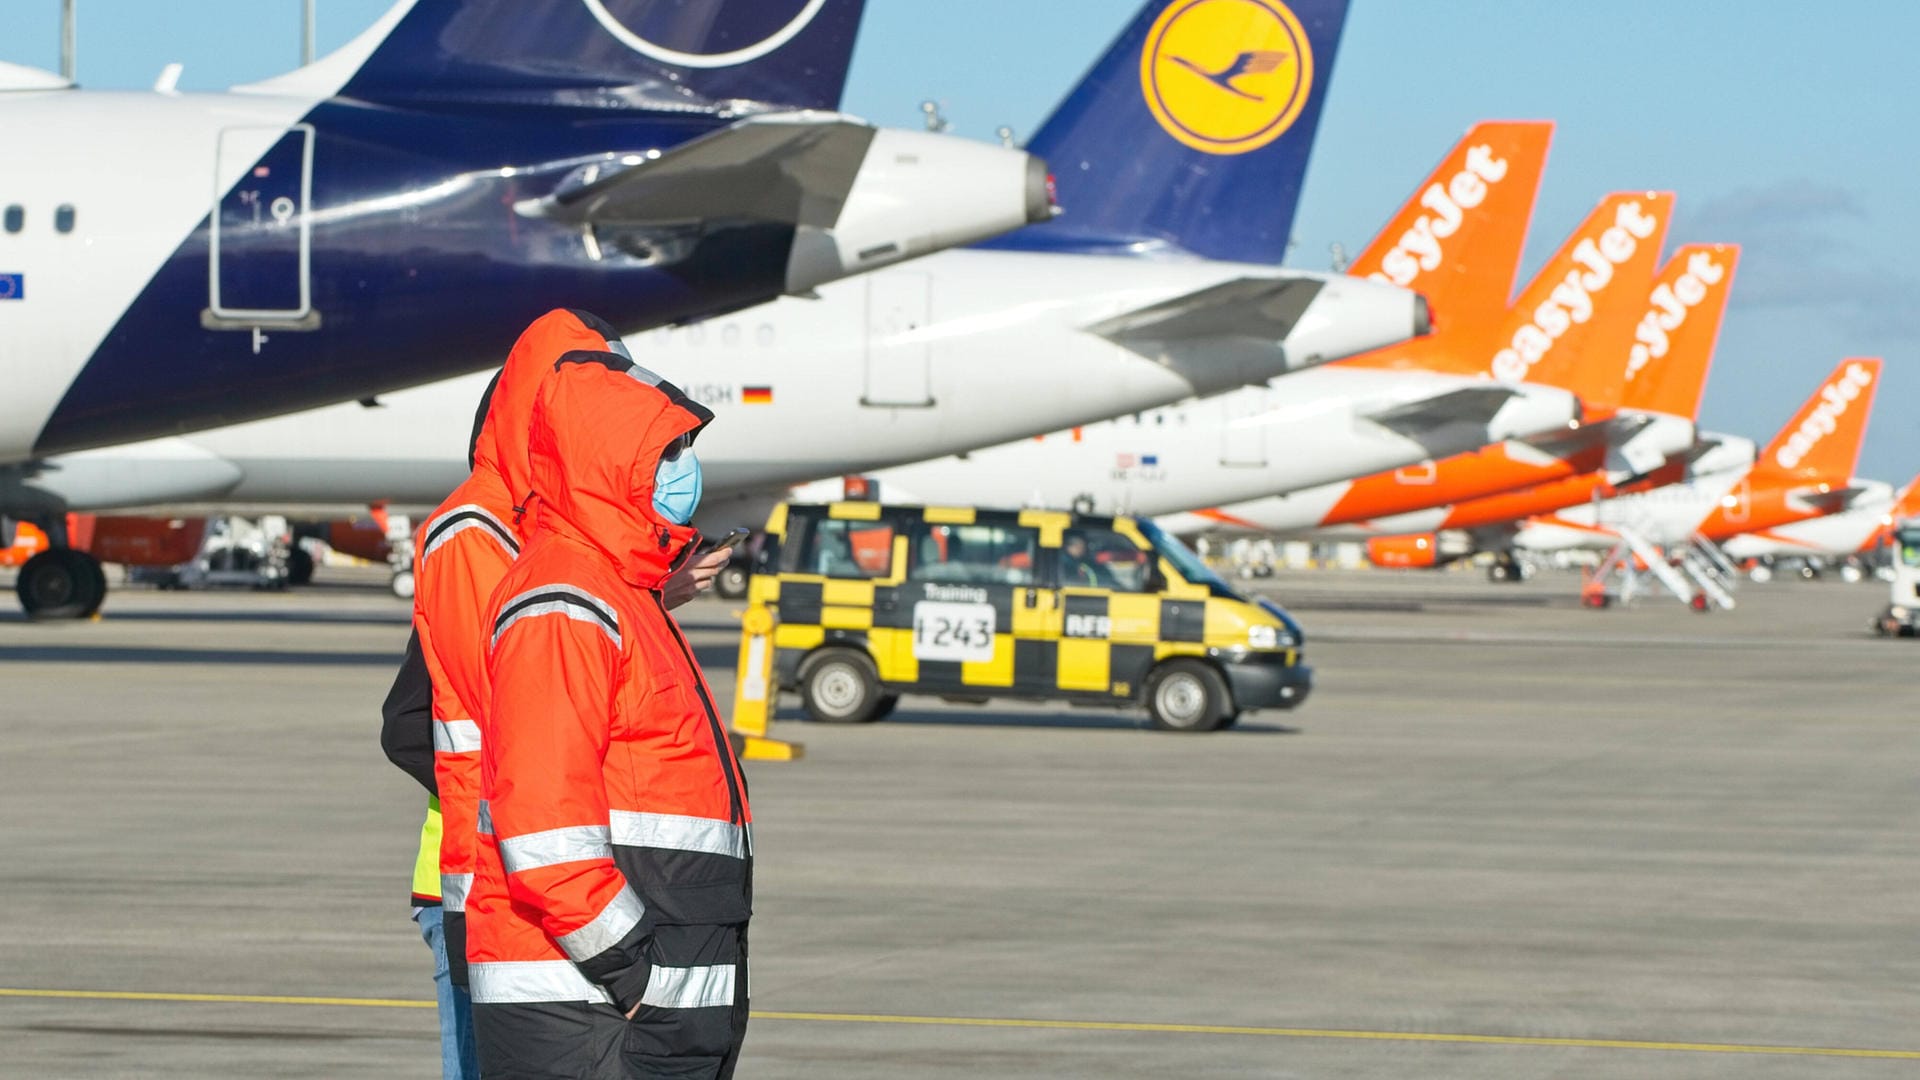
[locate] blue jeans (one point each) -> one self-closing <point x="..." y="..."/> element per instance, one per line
<point x="459" y="1060"/>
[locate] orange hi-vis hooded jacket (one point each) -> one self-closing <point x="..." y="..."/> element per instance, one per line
<point x="614" y="831"/>
<point x="464" y="549"/>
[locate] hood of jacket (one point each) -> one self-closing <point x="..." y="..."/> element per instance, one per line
<point x="499" y="447"/>
<point x="601" y="424"/>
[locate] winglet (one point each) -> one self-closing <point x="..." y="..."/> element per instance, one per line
<point x="1822" y="441"/>
<point x="1674" y="341"/>
<point x="1459" y="237"/>
<point x="1575" y="320"/>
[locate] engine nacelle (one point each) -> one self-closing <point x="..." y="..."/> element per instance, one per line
<point x="361" y="539"/>
<point x="138" y="541"/>
<point x="1418" y="552"/>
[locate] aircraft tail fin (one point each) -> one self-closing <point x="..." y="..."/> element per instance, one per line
<point x="1459" y="238"/>
<point x="1573" y="324"/>
<point x="1907" y="503"/>
<point x="687" y="55"/>
<point x="1194" y="128"/>
<point x="1822" y="441"/>
<point x="1673" y="344"/>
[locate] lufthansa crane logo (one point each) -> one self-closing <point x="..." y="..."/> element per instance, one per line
<point x="680" y="58"/>
<point x="1226" y="76"/>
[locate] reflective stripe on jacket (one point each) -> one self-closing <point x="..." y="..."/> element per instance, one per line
<point x="460" y="555"/>
<point x="614" y="806"/>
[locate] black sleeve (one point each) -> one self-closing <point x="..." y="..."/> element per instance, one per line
<point x="406" y="729"/>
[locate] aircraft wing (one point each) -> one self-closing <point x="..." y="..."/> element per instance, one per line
<point x="1220" y="337"/>
<point x="793" y="168"/>
<point x="1474" y="405"/>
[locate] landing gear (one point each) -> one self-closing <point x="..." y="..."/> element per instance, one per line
<point x="299" y="565"/>
<point x="61" y="583"/>
<point x="1507" y="568"/>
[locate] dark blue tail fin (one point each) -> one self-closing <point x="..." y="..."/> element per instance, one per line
<point x="670" y="54"/>
<point x="1195" y="127"/>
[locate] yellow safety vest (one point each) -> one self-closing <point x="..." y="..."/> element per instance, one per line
<point x="426" y="865"/>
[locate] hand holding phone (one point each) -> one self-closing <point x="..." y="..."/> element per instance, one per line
<point x="733" y="537"/>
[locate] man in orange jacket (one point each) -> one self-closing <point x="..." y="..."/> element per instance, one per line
<point x="464" y="549"/>
<point x="607" y="925"/>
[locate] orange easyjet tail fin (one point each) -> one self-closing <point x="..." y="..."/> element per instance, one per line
<point x="1907" y="503"/>
<point x="1458" y="240"/>
<point x="1822" y="441"/>
<point x="1573" y="324"/>
<point x="1673" y="343"/>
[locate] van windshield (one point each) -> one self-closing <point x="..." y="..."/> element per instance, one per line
<point x="1907" y="541"/>
<point x="1183" y="558"/>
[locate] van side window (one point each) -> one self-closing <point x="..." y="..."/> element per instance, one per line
<point x="977" y="554"/>
<point x="860" y="550"/>
<point x="1097" y="558"/>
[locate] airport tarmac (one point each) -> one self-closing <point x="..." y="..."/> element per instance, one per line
<point x="1507" y="837"/>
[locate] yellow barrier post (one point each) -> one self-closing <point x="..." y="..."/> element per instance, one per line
<point x="754" y="693"/>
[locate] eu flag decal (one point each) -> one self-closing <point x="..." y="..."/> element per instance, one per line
<point x="13" y="286"/>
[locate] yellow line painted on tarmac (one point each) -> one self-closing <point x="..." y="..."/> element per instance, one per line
<point x="1056" y="1025"/>
<point x="1327" y="1033"/>
<point x="222" y="999"/>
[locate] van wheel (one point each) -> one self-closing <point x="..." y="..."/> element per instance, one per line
<point x="1187" y="695"/>
<point x="840" y="686"/>
<point x="732" y="580"/>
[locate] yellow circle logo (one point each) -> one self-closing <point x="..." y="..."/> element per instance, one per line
<point x="1226" y="76"/>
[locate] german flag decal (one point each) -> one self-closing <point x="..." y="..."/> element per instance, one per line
<point x="756" y="395"/>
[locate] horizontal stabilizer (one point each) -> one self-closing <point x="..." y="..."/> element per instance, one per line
<point x="1470" y="405"/>
<point x="858" y="197"/>
<point x="791" y="168"/>
<point x="1262" y="307"/>
<point x="1220" y="337"/>
<point x="1828" y="500"/>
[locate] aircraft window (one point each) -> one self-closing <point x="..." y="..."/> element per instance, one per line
<point x="974" y="554"/>
<point x="16" y="218"/>
<point x="730" y="335"/>
<point x="63" y="218"/>
<point x="1095" y="558"/>
<point x="861" y="550"/>
<point x="764" y="335"/>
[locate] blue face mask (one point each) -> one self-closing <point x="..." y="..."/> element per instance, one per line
<point x="677" y="486"/>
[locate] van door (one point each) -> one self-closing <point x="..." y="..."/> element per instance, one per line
<point x="1107" y="615"/>
<point x="963" y="580"/>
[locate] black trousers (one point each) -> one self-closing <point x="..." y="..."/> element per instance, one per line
<point x="587" y="1041"/>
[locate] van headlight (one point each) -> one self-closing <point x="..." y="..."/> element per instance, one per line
<point x="1261" y="636"/>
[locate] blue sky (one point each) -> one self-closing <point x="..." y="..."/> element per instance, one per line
<point x="1789" y="131"/>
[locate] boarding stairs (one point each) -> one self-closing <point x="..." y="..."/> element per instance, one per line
<point x="1634" y="547"/>
<point x="1710" y="569"/>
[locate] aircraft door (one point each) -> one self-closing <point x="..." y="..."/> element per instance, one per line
<point x="899" y="306"/>
<point x="1738" y="503"/>
<point x="1243" y="436"/>
<point x="261" y="237"/>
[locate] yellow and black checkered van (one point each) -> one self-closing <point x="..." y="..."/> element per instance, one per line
<point x="863" y="602"/>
